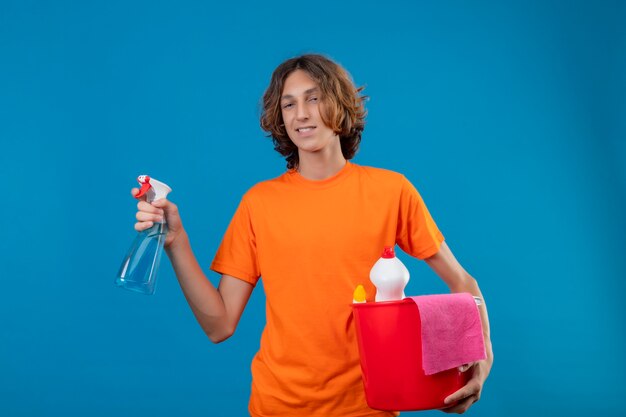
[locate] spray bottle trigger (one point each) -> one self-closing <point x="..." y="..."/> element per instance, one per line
<point x="143" y="190"/>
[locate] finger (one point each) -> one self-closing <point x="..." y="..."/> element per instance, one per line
<point x="142" y="216"/>
<point x="462" y="406"/>
<point x="466" y="366"/>
<point x="149" y="208"/>
<point x="141" y="226"/>
<point x="161" y="203"/>
<point x="166" y="206"/>
<point x="468" y="390"/>
<point x="134" y="191"/>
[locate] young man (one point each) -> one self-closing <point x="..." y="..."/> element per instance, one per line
<point x="313" y="234"/>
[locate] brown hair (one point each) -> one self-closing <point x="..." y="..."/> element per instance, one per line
<point x="344" y="105"/>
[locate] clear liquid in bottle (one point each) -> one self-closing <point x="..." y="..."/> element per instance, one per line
<point x="138" y="271"/>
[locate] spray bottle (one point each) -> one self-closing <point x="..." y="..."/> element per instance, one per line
<point x="389" y="276"/>
<point x="138" y="271"/>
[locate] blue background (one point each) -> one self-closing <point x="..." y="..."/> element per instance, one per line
<point x="509" y="117"/>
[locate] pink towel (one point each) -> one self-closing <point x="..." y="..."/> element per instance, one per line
<point x="452" y="334"/>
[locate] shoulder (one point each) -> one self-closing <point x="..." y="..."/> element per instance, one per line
<point x="377" y="172"/>
<point x="392" y="182"/>
<point x="380" y="175"/>
<point x="266" y="188"/>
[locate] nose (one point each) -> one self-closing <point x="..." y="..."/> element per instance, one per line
<point x="302" y="113"/>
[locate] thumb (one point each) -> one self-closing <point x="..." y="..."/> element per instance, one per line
<point x="167" y="206"/>
<point x="466" y="366"/>
<point x="162" y="203"/>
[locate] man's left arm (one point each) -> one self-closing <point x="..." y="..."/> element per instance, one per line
<point x="458" y="280"/>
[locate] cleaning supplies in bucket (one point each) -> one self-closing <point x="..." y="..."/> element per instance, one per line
<point x="390" y="276"/>
<point x="390" y="349"/>
<point x="359" y="294"/>
<point x="451" y="331"/>
<point x="396" y="347"/>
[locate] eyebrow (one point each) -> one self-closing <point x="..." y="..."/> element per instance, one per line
<point x="309" y="91"/>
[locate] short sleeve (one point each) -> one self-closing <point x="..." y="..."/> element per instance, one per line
<point x="417" y="233"/>
<point x="237" y="254"/>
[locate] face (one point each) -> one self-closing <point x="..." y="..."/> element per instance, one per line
<point x="301" y="106"/>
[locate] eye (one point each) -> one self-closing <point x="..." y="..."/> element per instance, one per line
<point x="313" y="99"/>
<point x="287" y="105"/>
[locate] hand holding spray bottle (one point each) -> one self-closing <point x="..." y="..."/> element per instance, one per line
<point x="138" y="271"/>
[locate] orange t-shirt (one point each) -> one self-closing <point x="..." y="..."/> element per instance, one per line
<point x="313" y="242"/>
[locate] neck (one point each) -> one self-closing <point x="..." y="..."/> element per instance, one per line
<point x="322" y="164"/>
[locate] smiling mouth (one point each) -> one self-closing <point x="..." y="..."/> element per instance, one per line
<point x="305" y="129"/>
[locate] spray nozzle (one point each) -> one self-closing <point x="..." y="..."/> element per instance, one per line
<point x="151" y="188"/>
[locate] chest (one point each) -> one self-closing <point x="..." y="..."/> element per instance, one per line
<point x="344" y="221"/>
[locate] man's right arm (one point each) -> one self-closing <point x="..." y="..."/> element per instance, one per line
<point x="217" y="310"/>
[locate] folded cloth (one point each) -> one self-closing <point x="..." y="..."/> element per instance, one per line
<point x="452" y="333"/>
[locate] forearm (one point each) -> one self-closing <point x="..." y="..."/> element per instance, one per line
<point x="203" y="298"/>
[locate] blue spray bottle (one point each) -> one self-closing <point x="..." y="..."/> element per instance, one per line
<point x="138" y="271"/>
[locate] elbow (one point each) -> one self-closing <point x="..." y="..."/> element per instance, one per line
<point x="218" y="339"/>
<point x="465" y="283"/>
<point x="217" y="329"/>
<point x="220" y="336"/>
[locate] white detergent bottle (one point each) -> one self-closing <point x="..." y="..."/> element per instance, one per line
<point x="389" y="276"/>
<point x="139" y="268"/>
